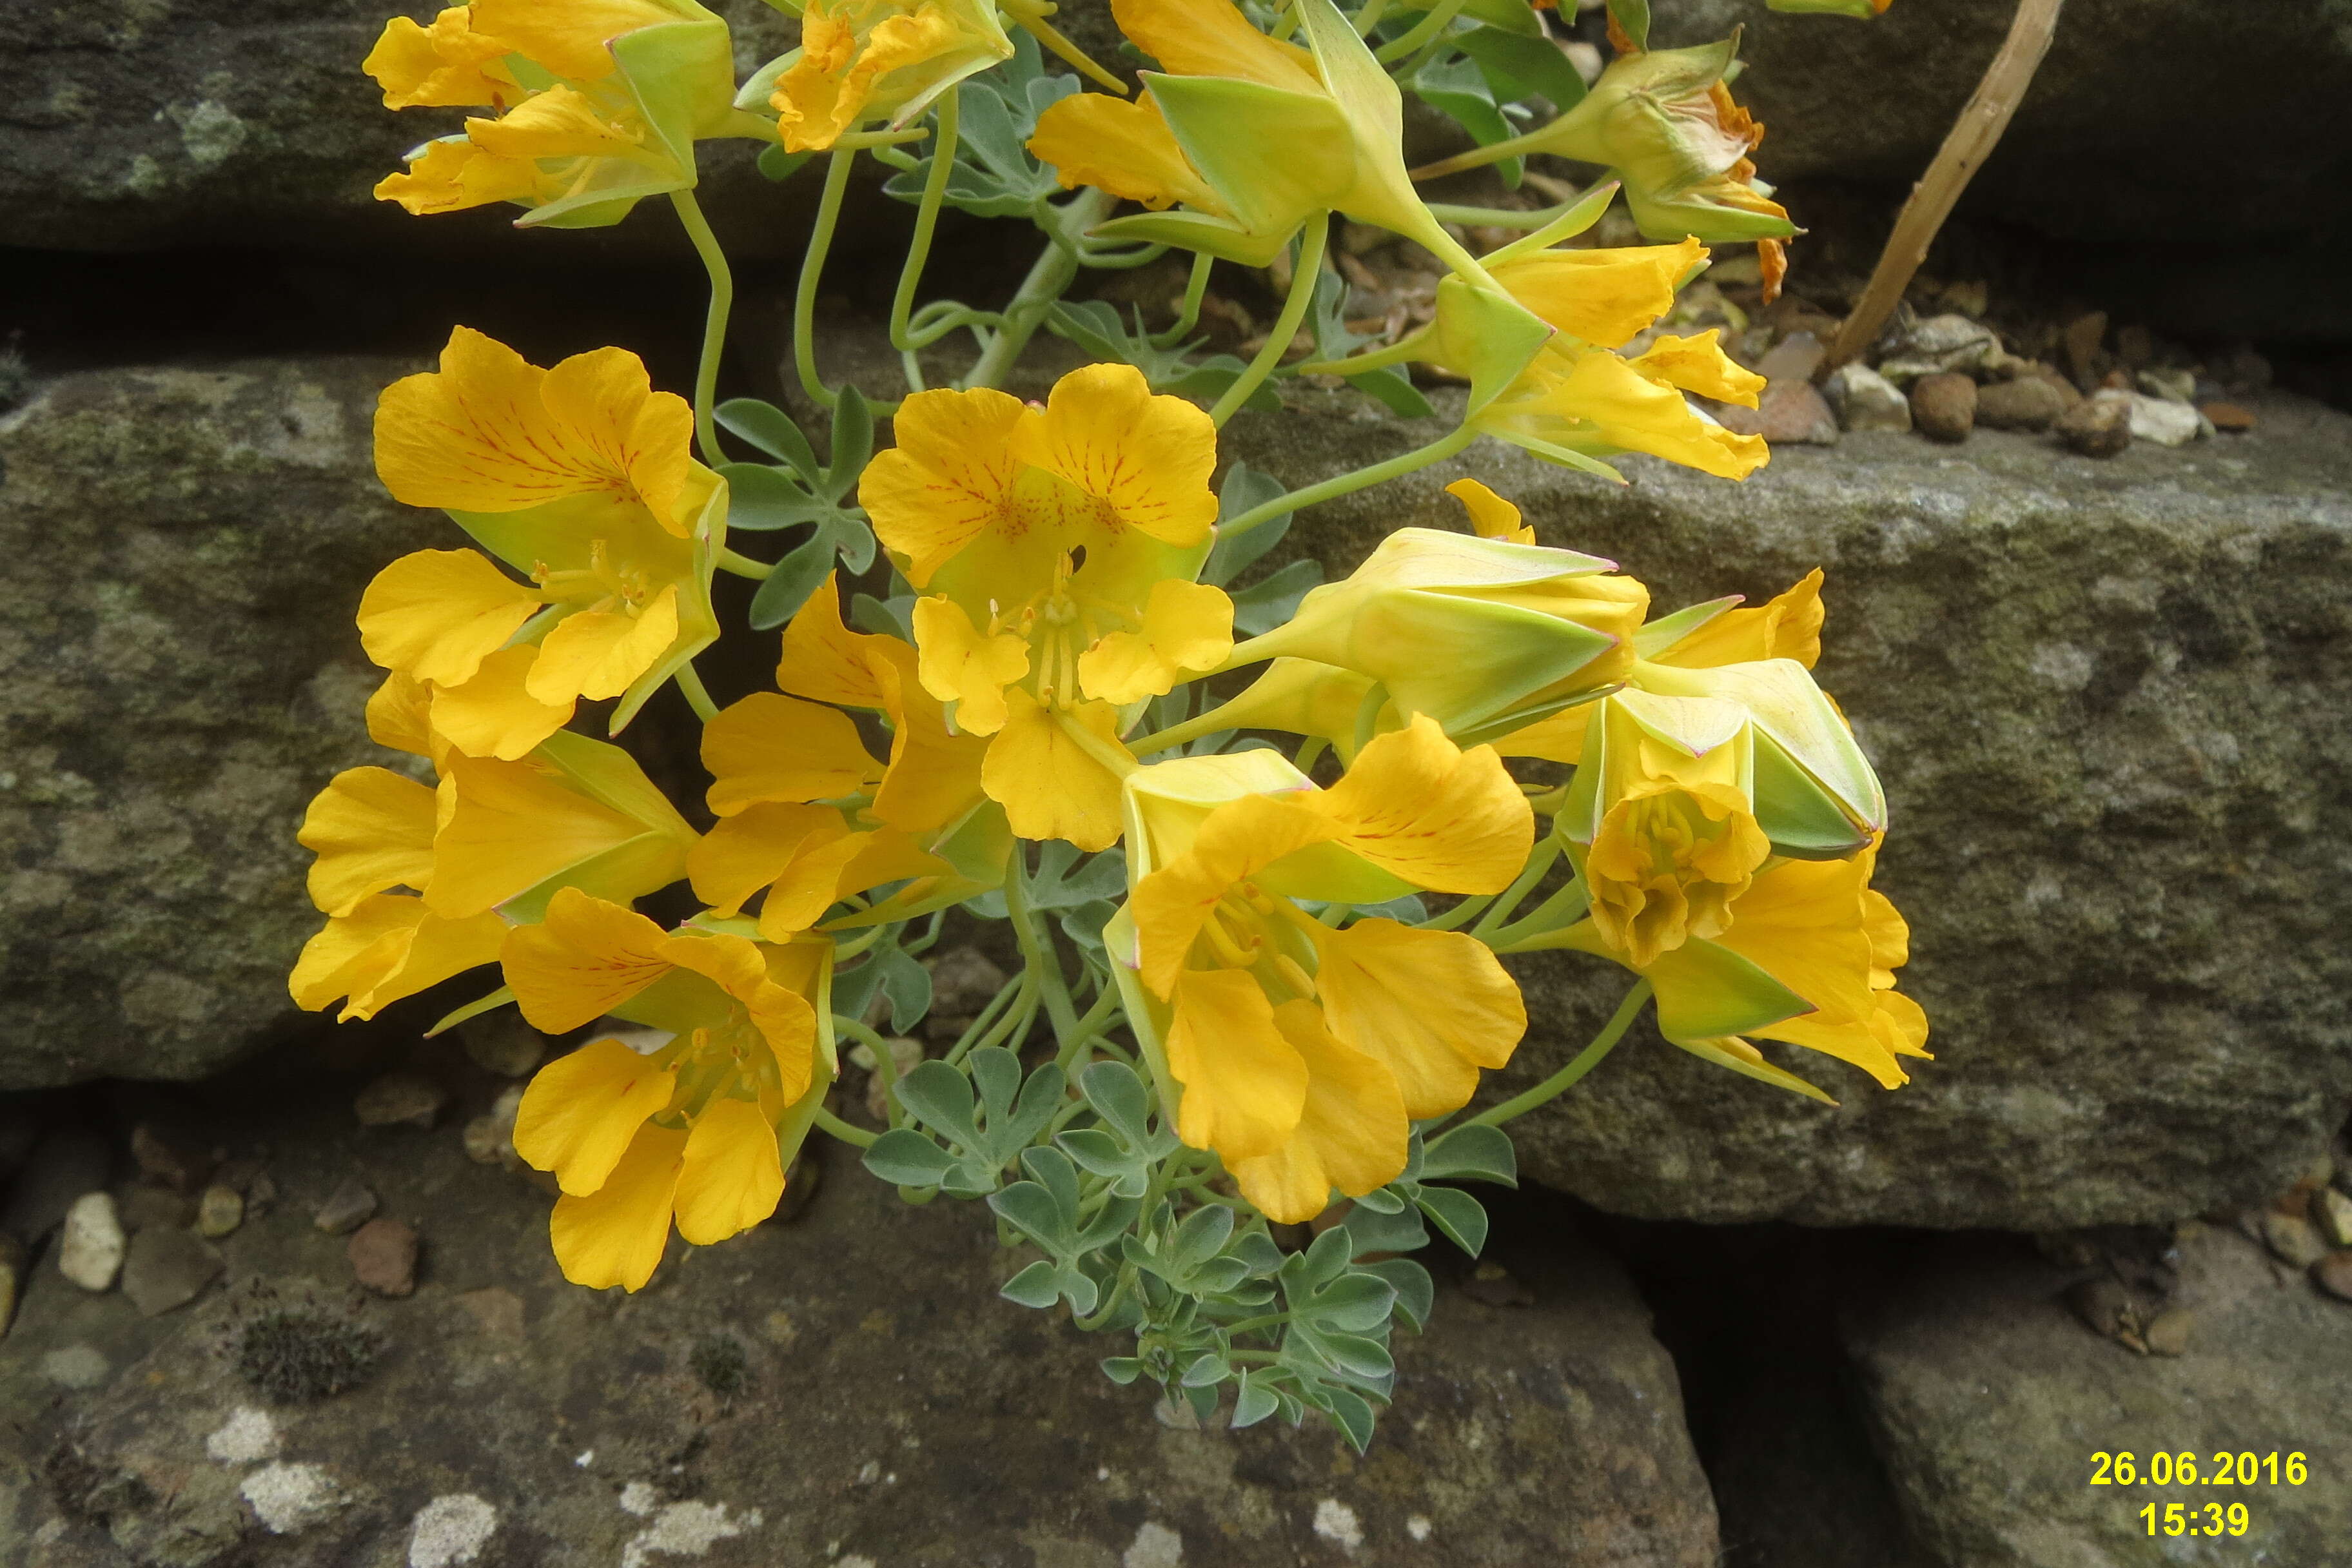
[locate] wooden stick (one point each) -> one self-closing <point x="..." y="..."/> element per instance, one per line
<point x="1971" y="142"/>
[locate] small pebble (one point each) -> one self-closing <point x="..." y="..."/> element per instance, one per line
<point x="2163" y="421"/>
<point x="2103" y="1304"/>
<point x="2295" y="1242"/>
<point x="259" y="1195"/>
<point x="2332" y="1211"/>
<point x="2167" y="1335"/>
<point x="349" y="1207"/>
<point x="220" y="1211"/>
<point x="964" y="980"/>
<point x="1944" y="407"/>
<point x="2096" y="427"/>
<point x="237" y="1175"/>
<point x="2028" y="403"/>
<point x="91" y="1251"/>
<point x="2232" y="417"/>
<point x="1865" y="400"/>
<point x="1495" y="1286"/>
<point x="384" y="1257"/>
<point x="168" y="1269"/>
<point x="400" y="1098"/>
<point x="79" y="1366"/>
<point x="1793" y="358"/>
<point x="501" y="1043"/>
<point x="2172" y="386"/>
<point x="2085" y="360"/>
<point x="2333" y="1274"/>
<point x="485" y="1141"/>
<point x="13" y="1261"/>
<point x="1790" y="413"/>
<point x="170" y="1157"/>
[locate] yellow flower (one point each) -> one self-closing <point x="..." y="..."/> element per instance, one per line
<point x="579" y="477"/>
<point x="1058" y="548"/>
<point x="1575" y="403"/>
<point x="617" y="93"/>
<point x="875" y="59"/>
<point x="1250" y="134"/>
<point x="701" y="1127"/>
<point x="493" y="835"/>
<point x="1666" y="123"/>
<point x="448" y="64"/>
<point x="1491" y="517"/>
<point x="1808" y="956"/>
<point x="1601" y="296"/>
<point x="1302" y="1051"/>
<point x="1475" y="633"/>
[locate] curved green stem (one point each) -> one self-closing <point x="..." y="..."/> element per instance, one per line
<point x="1539" y="860"/>
<point x="697" y="695"/>
<point x="1196" y="289"/>
<point x="926" y="222"/>
<point x="1038" y="952"/>
<point x="1286" y="326"/>
<point x="828" y="218"/>
<point x="1554" y="915"/>
<point x="1347" y="484"/>
<point x="1049" y="275"/>
<point x="1586" y="1060"/>
<point x="1440" y="17"/>
<point x="714" y="322"/>
<point x="841" y="1130"/>
<point x="885" y="1060"/>
<point x="742" y="565"/>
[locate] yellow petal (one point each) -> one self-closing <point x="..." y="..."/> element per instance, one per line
<point x="1351" y="1134"/>
<point x="570" y="39"/>
<point x="1641" y="413"/>
<point x="387" y="948"/>
<point x="490" y="433"/>
<point x="950" y="477"/>
<point x="617" y="1235"/>
<point x="1491" y="517"/>
<point x="1187" y="628"/>
<point x="508" y="827"/>
<point x="1603" y="296"/>
<point x="782" y="1016"/>
<point x="437" y="614"/>
<point x="1237" y="840"/>
<point x="1431" y="1006"/>
<point x="587" y="958"/>
<point x="1800" y="922"/>
<point x="1789" y="626"/>
<point x="1558" y="739"/>
<point x="1700" y="364"/>
<point x="734" y="1174"/>
<point x="746" y="852"/>
<point x="1049" y="786"/>
<point x="1418" y="805"/>
<point x="445" y="66"/>
<point x="1212" y="37"/>
<point x="452" y="174"/>
<point x="1121" y="147"/>
<point x="600" y="653"/>
<point x="934" y="776"/>
<point x="581" y="1110"/>
<point x="371" y="829"/>
<point x="1148" y="457"/>
<point x="824" y="659"/>
<point x="962" y="666"/>
<point x="399" y="715"/>
<point x="494" y="714"/>
<point x="1244" y="1082"/>
<point x="774" y="748"/>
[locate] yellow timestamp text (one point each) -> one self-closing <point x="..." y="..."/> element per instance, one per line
<point x="2223" y="1469"/>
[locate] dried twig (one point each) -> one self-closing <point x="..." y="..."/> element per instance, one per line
<point x="1971" y="142"/>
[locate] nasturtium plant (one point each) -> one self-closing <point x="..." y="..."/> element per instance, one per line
<point x="1045" y="676"/>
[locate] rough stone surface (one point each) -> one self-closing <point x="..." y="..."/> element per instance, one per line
<point x="1987" y="1403"/>
<point x="2108" y="703"/>
<point x="178" y="676"/>
<point x="2096" y="427"/>
<point x="399" y="1098"/>
<point x="346" y="1209"/>
<point x="136" y="125"/>
<point x="931" y="1425"/>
